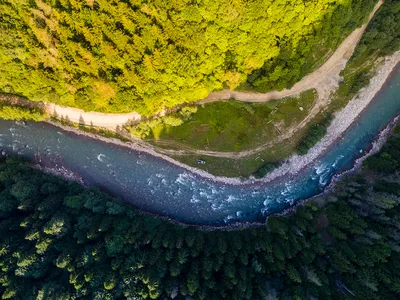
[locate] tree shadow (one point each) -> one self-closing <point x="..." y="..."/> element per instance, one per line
<point x="132" y="121"/>
<point x="81" y="122"/>
<point x="65" y="120"/>
<point x="54" y="114"/>
<point x="19" y="100"/>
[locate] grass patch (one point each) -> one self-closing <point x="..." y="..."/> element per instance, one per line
<point x="252" y="164"/>
<point x="235" y="126"/>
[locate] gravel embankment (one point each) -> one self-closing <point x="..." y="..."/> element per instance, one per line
<point x="342" y="121"/>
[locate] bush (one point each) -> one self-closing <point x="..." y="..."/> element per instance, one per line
<point x="157" y="125"/>
<point x="266" y="168"/>
<point x="315" y="133"/>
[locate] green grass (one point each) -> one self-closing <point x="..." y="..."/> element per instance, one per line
<point x="249" y="165"/>
<point x="356" y="75"/>
<point x="228" y="126"/>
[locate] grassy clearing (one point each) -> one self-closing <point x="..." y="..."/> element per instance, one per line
<point x="251" y="164"/>
<point x="235" y="126"/>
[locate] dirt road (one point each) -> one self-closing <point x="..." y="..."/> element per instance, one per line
<point x="342" y="120"/>
<point x="325" y="80"/>
<point x="97" y="119"/>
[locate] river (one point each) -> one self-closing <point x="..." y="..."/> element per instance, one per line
<point x="157" y="186"/>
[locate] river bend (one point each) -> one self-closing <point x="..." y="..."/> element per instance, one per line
<point x="155" y="185"/>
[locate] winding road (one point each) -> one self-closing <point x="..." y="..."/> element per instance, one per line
<point x="325" y="79"/>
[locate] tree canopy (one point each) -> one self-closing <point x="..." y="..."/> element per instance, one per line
<point x="383" y="33"/>
<point x="120" y="56"/>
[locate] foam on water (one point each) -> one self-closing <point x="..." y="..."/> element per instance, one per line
<point x="324" y="177"/>
<point x="337" y="161"/>
<point x="194" y="199"/>
<point x="231" y="198"/>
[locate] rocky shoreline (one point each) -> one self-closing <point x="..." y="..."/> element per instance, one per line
<point x="375" y="148"/>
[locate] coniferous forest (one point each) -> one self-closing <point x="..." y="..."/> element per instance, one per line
<point x="122" y="56"/>
<point x="59" y="240"/>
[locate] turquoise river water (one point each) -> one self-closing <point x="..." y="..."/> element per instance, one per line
<point x="157" y="186"/>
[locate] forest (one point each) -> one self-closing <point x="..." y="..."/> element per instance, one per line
<point x="383" y="34"/>
<point x="123" y="56"/>
<point x="59" y="240"/>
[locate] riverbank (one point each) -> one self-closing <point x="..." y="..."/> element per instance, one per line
<point x="376" y="146"/>
<point x="342" y="121"/>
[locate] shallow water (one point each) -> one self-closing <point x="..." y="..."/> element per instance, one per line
<point x="158" y="186"/>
